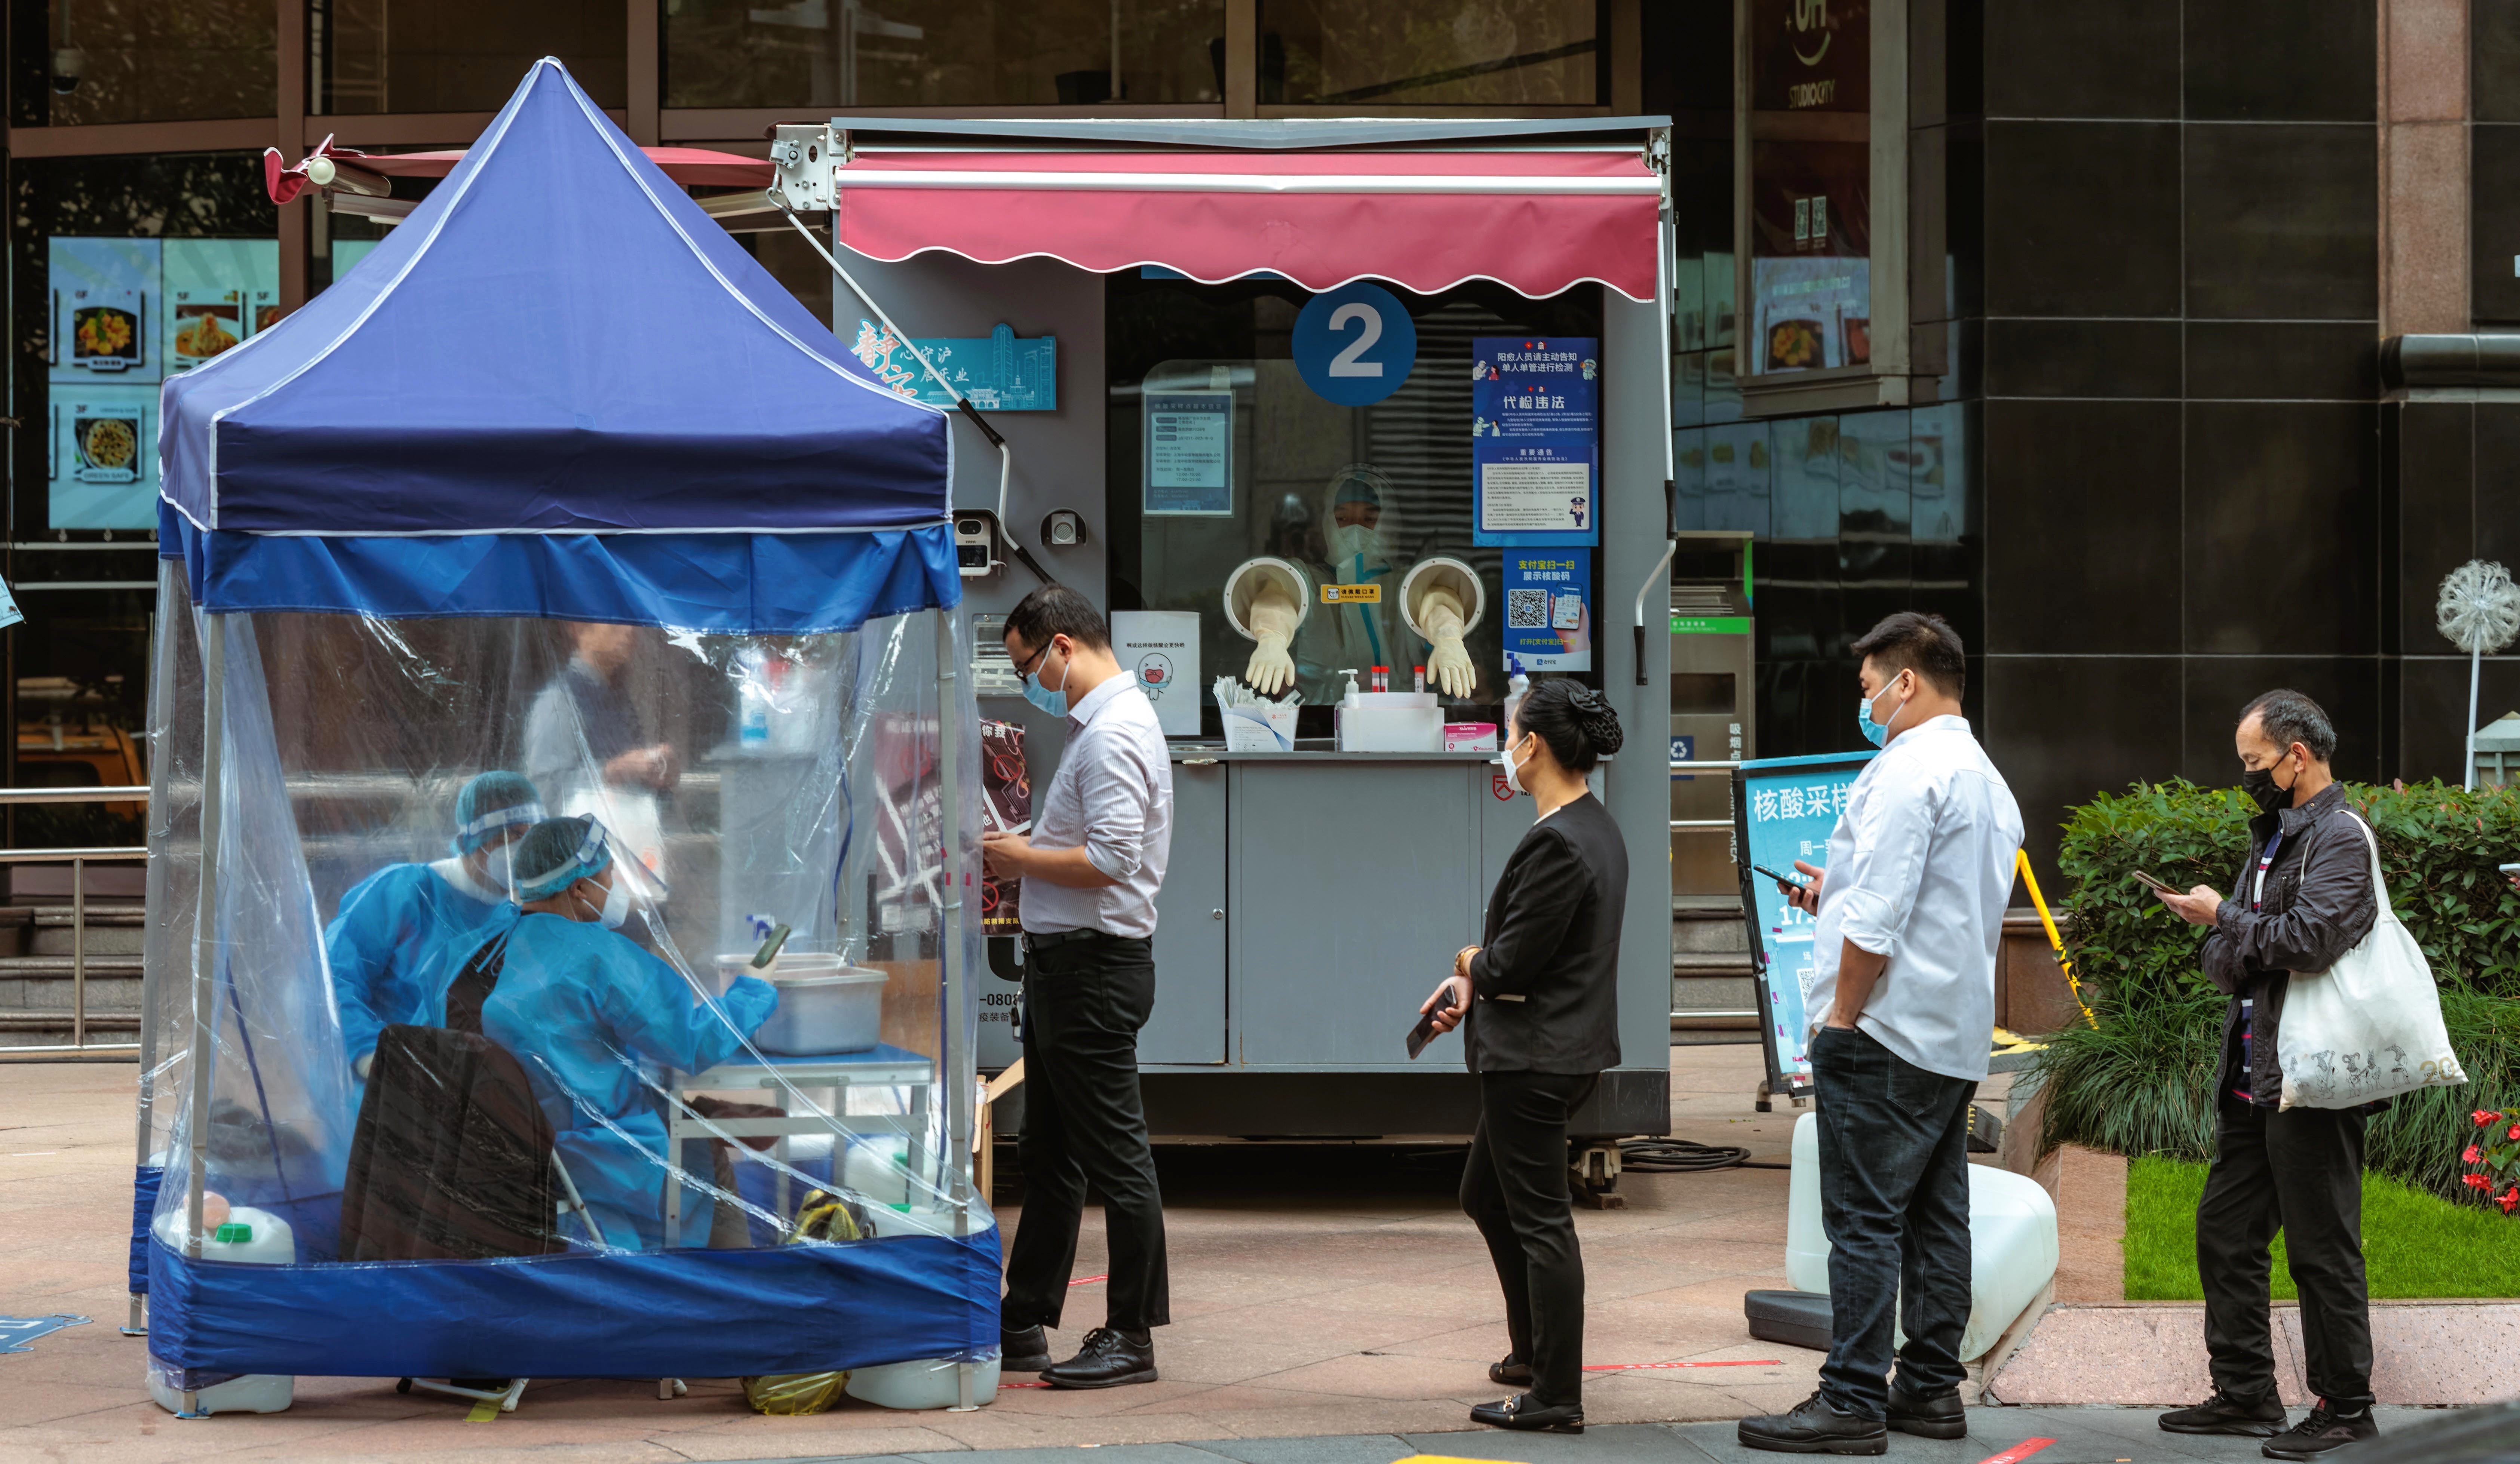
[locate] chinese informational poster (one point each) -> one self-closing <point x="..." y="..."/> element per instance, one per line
<point x="1535" y="440"/>
<point x="1190" y="452"/>
<point x="1788" y="807"/>
<point x="1549" y="609"/>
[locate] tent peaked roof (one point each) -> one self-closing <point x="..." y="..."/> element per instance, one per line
<point x="557" y="341"/>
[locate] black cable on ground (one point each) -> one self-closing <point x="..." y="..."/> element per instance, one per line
<point x="1681" y="1156"/>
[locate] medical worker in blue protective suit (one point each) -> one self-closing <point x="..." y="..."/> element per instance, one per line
<point x="583" y="1006"/>
<point x="399" y="924"/>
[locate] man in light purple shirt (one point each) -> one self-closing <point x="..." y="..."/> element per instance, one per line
<point x="1091" y="868"/>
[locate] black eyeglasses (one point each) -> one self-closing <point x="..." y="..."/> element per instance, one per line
<point x="1024" y="667"/>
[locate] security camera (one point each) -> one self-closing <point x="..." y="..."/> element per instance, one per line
<point x="70" y="68"/>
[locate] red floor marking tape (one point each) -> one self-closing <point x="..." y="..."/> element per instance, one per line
<point x="1087" y="1281"/>
<point x="1720" y="1364"/>
<point x="1023" y="1385"/>
<point x="2019" y="1451"/>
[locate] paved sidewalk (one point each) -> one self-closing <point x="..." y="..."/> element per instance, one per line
<point x="2074" y="1436"/>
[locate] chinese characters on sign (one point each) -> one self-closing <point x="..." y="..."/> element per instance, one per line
<point x="1535" y="435"/>
<point x="1190" y="452"/>
<point x="1547" y="610"/>
<point x="1788" y="807"/>
<point x="999" y="372"/>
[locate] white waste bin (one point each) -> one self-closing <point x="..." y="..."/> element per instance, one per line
<point x="2012" y="1240"/>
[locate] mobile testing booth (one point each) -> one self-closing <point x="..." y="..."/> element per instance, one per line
<point x="557" y="482"/>
<point x="1364" y="365"/>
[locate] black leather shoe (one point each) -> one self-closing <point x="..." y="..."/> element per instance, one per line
<point x="1523" y="1411"/>
<point x="1108" y="1359"/>
<point x="1513" y="1372"/>
<point x="1938" y="1417"/>
<point x="2322" y="1431"/>
<point x="2255" y="1418"/>
<point x="1025" y="1350"/>
<point x="1814" y="1428"/>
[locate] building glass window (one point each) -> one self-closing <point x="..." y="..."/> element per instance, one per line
<point x="1312" y="482"/>
<point x="1811" y="194"/>
<point x="1462" y="53"/>
<point x="376" y="56"/>
<point x="943" y="53"/>
<point x="156" y="60"/>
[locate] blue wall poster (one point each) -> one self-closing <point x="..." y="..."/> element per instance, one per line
<point x="1190" y="452"/>
<point x="1001" y="372"/>
<point x="1535" y="440"/>
<point x="1549" y="609"/>
<point x="1785" y="810"/>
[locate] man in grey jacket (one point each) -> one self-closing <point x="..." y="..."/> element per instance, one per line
<point x="2305" y="898"/>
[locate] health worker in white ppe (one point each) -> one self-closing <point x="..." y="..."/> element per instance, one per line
<point x="583" y="1007"/>
<point x="398" y="926"/>
<point x="1359" y="549"/>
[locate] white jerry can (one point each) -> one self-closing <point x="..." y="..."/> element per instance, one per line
<point x="253" y="1237"/>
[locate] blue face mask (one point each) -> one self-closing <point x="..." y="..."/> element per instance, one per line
<point x="1875" y="733"/>
<point x="1054" y="702"/>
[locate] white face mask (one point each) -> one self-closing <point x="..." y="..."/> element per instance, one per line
<point x="1352" y="543"/>
<point x="615" y="909"/>
<point x="1513" y="769"/>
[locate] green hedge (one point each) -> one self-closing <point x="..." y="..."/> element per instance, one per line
<point x="2141" y="1083"/>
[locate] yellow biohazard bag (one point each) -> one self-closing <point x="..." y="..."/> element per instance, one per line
<point x="823" y="1217"/>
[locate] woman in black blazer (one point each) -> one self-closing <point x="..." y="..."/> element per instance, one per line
<point x="1539" y="1003"/>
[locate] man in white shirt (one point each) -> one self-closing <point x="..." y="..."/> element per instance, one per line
<point x="1920" y="872"/>
<point x="1101" y="837"/>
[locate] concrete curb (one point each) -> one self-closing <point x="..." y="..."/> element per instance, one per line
<point x="2152" y="1354"/>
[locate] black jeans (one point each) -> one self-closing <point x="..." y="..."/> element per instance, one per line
<point x="1514" y="1186"/>
<point x="2300" y="1171"/>
<point x="1084" y="1002"/>
<point x="1894" y="1200"/>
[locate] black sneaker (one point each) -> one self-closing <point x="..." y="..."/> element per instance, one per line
<point x="2256" y="1418"/>
<point x="2323" y="1431"/>
<point x="1814" y="1428"/>
<point x="1108" y="1359"/>
<point x="1023" y="1350"/>
<point x="1940" y="1416"/>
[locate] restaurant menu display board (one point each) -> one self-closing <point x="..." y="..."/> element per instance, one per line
<point x="1784" y="809"/>
<point x="1810" y="184"/>
<point x="1535" y="440"/>
<point x="1547" y="610"/>
<point x="127" y="313"/>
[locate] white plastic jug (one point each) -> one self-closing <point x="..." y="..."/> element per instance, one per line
<point x="253" y="1237"/>
<point x="2012" y="1240"/>
<point x="927" y="1384"/>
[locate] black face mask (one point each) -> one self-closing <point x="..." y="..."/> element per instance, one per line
<point x="2260" y="785"/>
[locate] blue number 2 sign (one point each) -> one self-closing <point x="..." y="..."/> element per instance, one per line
<point x="1355" y="344"/>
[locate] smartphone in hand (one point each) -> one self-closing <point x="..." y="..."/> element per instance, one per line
<point x="2150" y="883"/>
<point x="1424" y="1032"/>
<point x="1785" y="879"/>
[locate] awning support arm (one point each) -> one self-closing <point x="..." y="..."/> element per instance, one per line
<point x="971" y="413"/>
<point x="1659" y="158"/>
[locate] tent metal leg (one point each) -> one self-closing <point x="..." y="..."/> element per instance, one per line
<point x="206" y="945"/>
<point x="137" y="1323"/>
<point x="966" y="1388"/>
<point x="949" y="952"/>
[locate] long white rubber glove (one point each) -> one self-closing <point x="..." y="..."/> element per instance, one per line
<point x="1440" y="611"/>
<point x="1272" y="616"/>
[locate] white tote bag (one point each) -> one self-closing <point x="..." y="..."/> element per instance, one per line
<point x="2370" y="1025"/>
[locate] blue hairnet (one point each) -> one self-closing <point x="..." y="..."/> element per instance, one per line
<point x="1355" y="488"/>
<point x="491" y="802"/>
<point x="557" y="853"/>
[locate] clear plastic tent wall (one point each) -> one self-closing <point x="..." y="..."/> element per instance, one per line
<point x="711" y="1190"/>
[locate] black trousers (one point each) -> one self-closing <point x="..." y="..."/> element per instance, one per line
<point x="1514" y="1187"/>
<point x="2301" y="1171"/>
<point x="1894" y="1202"/>
<point x="1084" y="1001"/>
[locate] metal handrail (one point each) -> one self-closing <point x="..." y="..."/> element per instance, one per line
<point x="1679" y="765"/>
<point x="79" y="860"/>
<point x="1702" y="823"/>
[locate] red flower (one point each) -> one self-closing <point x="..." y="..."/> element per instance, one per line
<point x="2471" y="1155"/>
<point x="2515" y="1131"/>
<point x="2476" y="1181"/>
<point x="2484" y="1118"/>
<point x="2510" y="1201"/>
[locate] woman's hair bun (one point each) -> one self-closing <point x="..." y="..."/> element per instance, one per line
<point x="1578" y="723"/>
<point x="1599" y="719"/>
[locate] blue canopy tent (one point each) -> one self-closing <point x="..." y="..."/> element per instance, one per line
<point x="559" y="394"/>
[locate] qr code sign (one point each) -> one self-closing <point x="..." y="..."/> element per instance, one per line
<point x="1526" y="609"/>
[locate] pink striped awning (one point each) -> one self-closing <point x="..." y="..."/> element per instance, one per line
<point x="1533" y="221"/>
